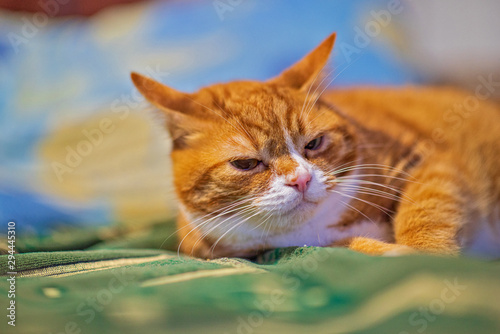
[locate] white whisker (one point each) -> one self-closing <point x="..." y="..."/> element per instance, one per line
<point x="381" y="208"/>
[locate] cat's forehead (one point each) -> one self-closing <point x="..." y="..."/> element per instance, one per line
<point x="262" y="107"/>
<point x="265" y="118"/>
<point x="263" y="122"/>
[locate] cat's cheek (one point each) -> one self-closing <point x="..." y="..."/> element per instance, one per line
<point x="317" y="190"/>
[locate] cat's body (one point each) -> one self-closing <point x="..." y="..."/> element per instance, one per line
<point x="448" y="146"/>
<point x="382" y="171"/>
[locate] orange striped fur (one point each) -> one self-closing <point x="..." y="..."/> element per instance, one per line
<point x="396" y="170"/>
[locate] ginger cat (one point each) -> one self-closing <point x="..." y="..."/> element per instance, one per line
<point x="259" y="165"/>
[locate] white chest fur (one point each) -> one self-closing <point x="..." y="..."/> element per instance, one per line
<point x="322" y="231"/>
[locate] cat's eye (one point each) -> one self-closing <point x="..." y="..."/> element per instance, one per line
<point x="245" y="164"/>
<point x="314" y="144"/>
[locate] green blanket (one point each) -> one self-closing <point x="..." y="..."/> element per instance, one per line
<point x="122" y="282"/>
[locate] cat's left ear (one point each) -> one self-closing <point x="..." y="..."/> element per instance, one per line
<point x="179" y="108"/>
<point x="307" y="70"/>
<point x="161" y="96"/>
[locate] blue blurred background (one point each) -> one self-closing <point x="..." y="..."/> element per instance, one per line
<point x="76" y="146"/>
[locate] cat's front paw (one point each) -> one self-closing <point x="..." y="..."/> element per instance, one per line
<point x="400" y="250"/>
<point x="376" y="247"/>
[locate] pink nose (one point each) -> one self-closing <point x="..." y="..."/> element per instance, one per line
<point x="300" y="181"/>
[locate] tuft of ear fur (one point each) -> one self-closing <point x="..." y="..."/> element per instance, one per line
<point x="178" y="107"/>
<point x="306" y="71"/>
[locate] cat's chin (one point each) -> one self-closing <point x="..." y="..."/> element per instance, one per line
<point x="302" y="206"/>
<point x="296" y="216"/>
<point x="305" y="207"/>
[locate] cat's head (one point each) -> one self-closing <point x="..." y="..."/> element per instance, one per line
<point x="252" y="159"/>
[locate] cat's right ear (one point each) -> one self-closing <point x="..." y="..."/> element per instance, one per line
<point x="178" y="107"/>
